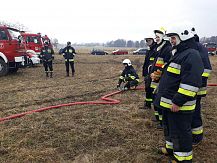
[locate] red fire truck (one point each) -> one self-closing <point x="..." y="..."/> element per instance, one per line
<point x="12" y="50"/>
<point x="32" y="42"/>
<point x="211" y="47"/>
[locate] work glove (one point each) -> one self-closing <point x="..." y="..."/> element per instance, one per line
<point x="156" y="75"/>
<point x="118" y="86"/>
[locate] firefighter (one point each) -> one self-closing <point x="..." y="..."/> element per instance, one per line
<point x="69" y="53"/>
<point x="47" y="57"/>
<point x="197" y="124"/>
<point x="149" y="59"/>
<point x="163" y="55"/>
<point x="179" y="84"/>
<point x="128" y="76"/>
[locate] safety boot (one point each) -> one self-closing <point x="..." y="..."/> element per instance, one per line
<point x="51" y="74"/>
<point x="47" y="74"/>
<point x="67" y="74"/>
<point x="73" y="74"/>
<point x="146" y="106"/>
<point x="165" y="151"/>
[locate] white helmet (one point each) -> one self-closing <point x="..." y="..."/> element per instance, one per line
<point x="127" y="61"/>
<point x="150" y="36"/>
<point x="162" y="31"/>
<point x="193" y="31"/>
<point x="184" y="33"/>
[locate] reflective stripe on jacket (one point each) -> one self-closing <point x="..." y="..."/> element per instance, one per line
<point x="47" y="54"/>
<point x="129" y="74"/>
<point x="181" y="80"/>
<point x="207" y="69"/>
<point x="68" y="52"/>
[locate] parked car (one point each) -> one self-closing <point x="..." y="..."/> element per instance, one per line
<point x="141" y="51"/>
<point x="119" y="52"/>
<point x="98" y="52"/>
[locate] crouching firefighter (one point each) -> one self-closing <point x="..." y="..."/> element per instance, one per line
<point x="69" y="53"/>
<point x="47" y="57"/>
<point x="177" y="90"/>
<point x="128" y="76"/>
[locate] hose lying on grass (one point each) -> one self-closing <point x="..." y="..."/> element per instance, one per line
<point x="105" y="100"/>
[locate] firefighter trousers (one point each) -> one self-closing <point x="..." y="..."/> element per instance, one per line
<point x="48" y="65"/>
<point x="178" y="135"/>
<point x="158" y="112"/>
<point x="71" y="63"/>
<point x="197" y="124"/>
<point x="132" y="83"/>
<point x="148" y="93"/>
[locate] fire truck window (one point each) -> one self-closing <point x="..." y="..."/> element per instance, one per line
<point x="36" y="40"/>
<point x="3" y="35"/>
<point x="14" y="34"/>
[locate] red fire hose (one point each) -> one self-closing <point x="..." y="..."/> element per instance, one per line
<point x="105" y="101"/>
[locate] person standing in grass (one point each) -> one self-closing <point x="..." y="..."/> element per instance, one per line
<point x="47" y="57"/>
<point x="69" y="53"/>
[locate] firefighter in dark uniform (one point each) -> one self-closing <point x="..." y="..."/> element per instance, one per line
<point x="197" y="124"/>
<point x="163" y="56"/>
<point x="47" y="57"/>
<point x="177" y="90"/>
<point x="128" y="76"/>
<point x="149" y="59"/>
<point x="69" y="53"/>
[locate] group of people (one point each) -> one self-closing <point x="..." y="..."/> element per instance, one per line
<point x="175" y="70"/>
<point x="47" y="59"/>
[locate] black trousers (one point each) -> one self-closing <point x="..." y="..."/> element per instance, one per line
<point x="197" y="124"/>
<point x="148" y="91"/>
<point x="178" y="135"/>
<point x="71" y="63"/>
<point x="48" y="65"/>
<point x="131" y="84"/>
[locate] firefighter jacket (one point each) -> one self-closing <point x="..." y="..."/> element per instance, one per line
<point x="207" y="69"/>
<point x="68" y="53"/>
<point x="181" y="80"/>
<point x="128" y="74"/>
<point x="47" y="54"/>
<point x="149" y="59"/>
<point x="206" y="63"/>
<point x="162" y="57"/>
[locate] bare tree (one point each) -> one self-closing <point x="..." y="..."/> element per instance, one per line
<point x="16" y="25"/>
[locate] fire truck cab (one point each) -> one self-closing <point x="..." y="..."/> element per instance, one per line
<point x="32" y="42"/>
<point x="211" y="47"/>
<point x="12" y="50"/>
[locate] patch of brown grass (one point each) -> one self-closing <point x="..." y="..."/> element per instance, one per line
<point x="87" y="133"/>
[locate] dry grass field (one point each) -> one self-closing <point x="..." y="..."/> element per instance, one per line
<point x="88" y="133"/>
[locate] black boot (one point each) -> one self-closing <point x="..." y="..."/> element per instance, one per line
<point x="67" y="74"/>
<point x="146" y="106"/>
<point x="51" y="74"/>
<point x="73" y="74"/>
<point x="46" y="74"/>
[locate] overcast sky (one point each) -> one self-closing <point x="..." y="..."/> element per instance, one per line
<point x="104" y="20"/>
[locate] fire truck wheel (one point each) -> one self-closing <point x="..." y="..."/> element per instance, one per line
<point x="3" y="68"/>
